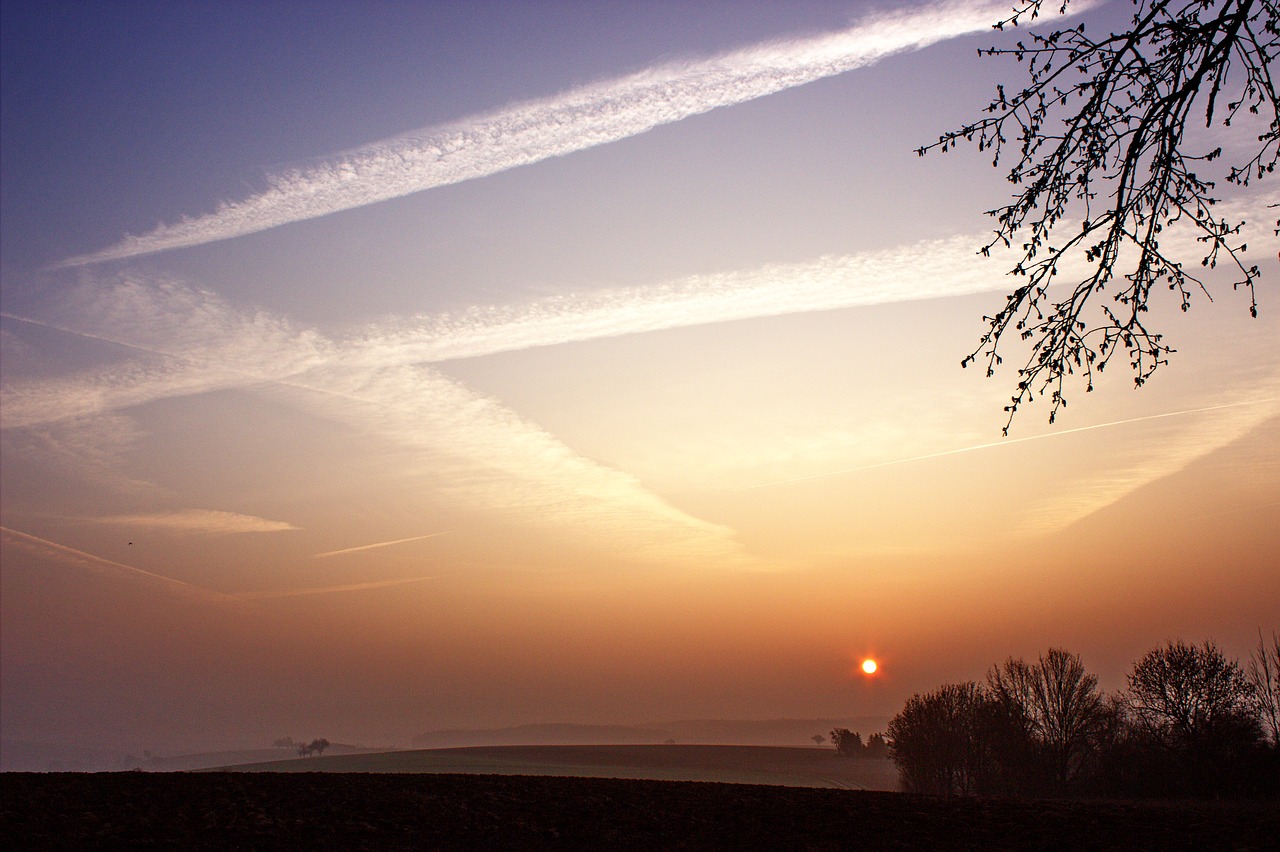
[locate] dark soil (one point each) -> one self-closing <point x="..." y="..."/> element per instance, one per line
<point x="387" y="811"/>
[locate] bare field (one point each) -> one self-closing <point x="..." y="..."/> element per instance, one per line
<point x="786" y="767"/>
<point x="354" y="811"/>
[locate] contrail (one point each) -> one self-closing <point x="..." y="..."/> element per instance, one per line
<point x="935" y="269"/>
<point x="379" y="544"/>
<point x="328" y="590"/>
<point x="213" y="347"/>
<point x="46" y="548"/>
<point x="573" y="121"/>
<point x="1007" y="442"/>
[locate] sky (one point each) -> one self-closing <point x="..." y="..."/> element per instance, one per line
<point x="371" y="368"/>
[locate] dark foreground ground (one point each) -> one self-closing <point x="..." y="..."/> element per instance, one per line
<point x="388" y="811"/>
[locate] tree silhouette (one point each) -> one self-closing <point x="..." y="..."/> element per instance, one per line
<point x="316" y="746"/>
<point x="877" y="747"/>
<point x="1057" y="706"/>
<point x="1103" y="161"/>
<point x="848" y="743"/>
<point x="1185" y="693"/>
<point x="1264" y="675"/>
<point x="1198" y="709"/>
<point x="940" y="741"/>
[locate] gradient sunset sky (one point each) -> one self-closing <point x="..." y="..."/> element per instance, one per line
<point x="371" y="367"/>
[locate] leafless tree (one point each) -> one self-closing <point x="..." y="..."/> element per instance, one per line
<point x="1264" y="675"/>
<point x="1184" y="693"/>
<point x="1057" y="702"/>
<point x="1103" y="167"/>
<point x="940" y="740"/>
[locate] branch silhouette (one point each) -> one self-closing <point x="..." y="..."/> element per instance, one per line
<point x="1099" y="137"/>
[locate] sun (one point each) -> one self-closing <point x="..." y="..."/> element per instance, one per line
<point x="869" y="666"/>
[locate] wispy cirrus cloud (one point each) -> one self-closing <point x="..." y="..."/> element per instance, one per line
<point x="187" y="341"/>
<point x="1229" y="428"/>
<point x="200" y="521"/>
<point x="179" y="341"/>
<point x="573" y="121"/>
<point x="1167" y="450"/>
<point x="485" y="456"/>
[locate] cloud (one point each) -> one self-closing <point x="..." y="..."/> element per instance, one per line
<point x="573" y="121"/>
<point x="330" y="590"/>
<point x="482" y="455"/>
<point x="204" y="344"/>
<point x="1053" y="515"/>
<point x="91" y="448"/>
<point x="486" y="457"/>
<point x="187" y="341"/>
<point x="45" y="549"/>
<point x="1165" y="452"/>
<point x="202" y="521"/>
<point x="376" y="545"/>
<point x="929" y="269"/>
<point x="180" y="341"/>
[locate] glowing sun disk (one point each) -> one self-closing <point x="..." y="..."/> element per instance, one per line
<point x="869" y="666"/>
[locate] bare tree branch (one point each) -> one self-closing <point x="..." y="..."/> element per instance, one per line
<point x="1099" y="131"/>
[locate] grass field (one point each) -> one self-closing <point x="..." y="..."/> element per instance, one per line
<point x="779" y="766"/>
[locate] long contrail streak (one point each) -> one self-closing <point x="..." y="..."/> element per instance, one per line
<point x="1007" y="442"/>
<point x="329" y="590"/>
<point x="930" y="269"/>
<point x="574" y="121"/>
<point x="935" y="269"/>
<point x="378" y="544"/>
<point x="51" y="549"/>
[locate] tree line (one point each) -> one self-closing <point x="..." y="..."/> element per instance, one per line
<point x="849" y="744"/>
<point x="305" y="749"/>
<point x="1190" y="722"/>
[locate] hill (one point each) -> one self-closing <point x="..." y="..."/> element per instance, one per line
<point x="788" y="767"/>
<point x="764" y="732"/>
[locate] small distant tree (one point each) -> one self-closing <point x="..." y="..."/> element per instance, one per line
<point x="316" y="746"/>
<point x="848" y="743"/>
<point x="877" y="747"/>
<point x="818" y="739"/>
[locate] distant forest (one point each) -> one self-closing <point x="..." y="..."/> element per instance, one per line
<point x="1190" y="723"/>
